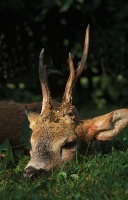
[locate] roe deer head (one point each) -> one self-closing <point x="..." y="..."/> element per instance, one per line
<point x="57" y="132"/>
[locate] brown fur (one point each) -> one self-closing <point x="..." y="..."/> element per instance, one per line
<point x="11" y="118"/>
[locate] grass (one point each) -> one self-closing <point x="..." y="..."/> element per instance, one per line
<point x="98" y="176"/>
<point x="101" y="176"/>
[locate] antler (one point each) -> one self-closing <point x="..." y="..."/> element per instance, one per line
<point x="46" y="103"/>
<point x="48" y="71"/>
<point x="74" y="75"/>
<point x="83" y="61"/>
<point x="44" y="72"/>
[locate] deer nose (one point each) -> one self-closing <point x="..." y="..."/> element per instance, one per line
<point x="31" y="172"/>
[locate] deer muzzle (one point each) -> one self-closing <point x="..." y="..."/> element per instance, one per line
<point x="31" y="172"/>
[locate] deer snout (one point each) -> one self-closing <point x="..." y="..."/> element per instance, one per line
<point x="31" y="172"/>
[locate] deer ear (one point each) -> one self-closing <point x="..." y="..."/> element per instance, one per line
<point x="32" y="116"/>
<point x="104" y="127"/>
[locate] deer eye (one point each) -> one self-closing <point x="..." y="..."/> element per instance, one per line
<point x="69" y="145"/>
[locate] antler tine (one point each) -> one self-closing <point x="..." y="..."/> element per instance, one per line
<point x="67" y="97"/>
<point x="46" y="103"/>
<point x="82" y="63"/>
<point x="48" y="71"/>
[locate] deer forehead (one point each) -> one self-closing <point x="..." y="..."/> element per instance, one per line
<point x="54" y="131"/>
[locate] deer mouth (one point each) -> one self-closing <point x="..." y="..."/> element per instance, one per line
<point x="30" y="172"/>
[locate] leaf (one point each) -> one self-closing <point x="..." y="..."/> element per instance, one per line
<point x="75" y="177"/>
<point x="62" y="175"/>
<point x="6" y="147"/>
<point x="26" y="134"/>
<point x="66" y="5"/>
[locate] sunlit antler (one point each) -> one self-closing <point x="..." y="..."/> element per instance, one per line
<point x="74" y="75"/>
<point x="83" y="61"/>
<point x="68" y="89"/>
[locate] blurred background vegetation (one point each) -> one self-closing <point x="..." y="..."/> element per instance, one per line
<point x="59" y="26"/>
